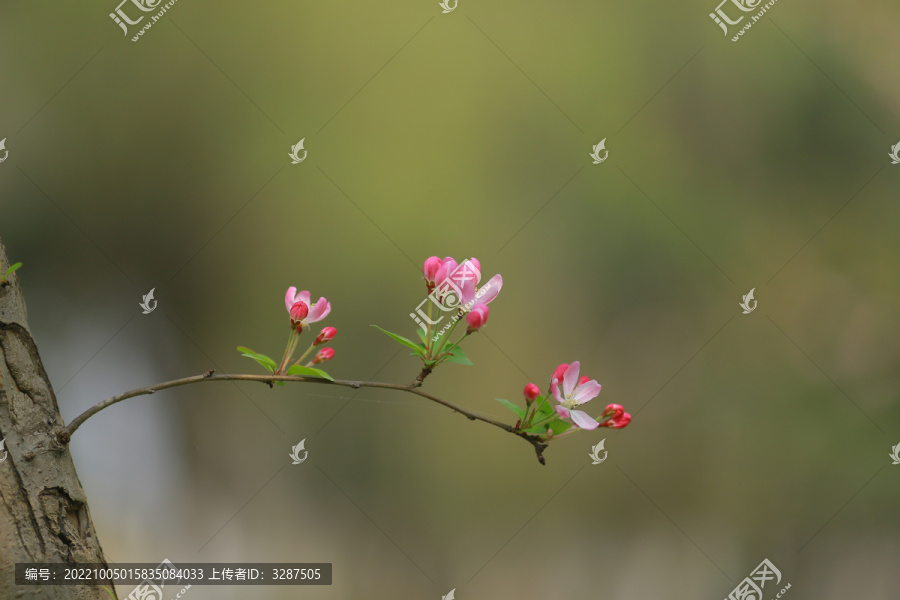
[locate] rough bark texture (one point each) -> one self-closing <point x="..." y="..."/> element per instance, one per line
<point x="44" y="514"/>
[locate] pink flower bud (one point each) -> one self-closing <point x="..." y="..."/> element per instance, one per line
<point x="614" y="410"/>
<point x="559" y="372"/>
<point x="430" y="269"/>
<point x="324" y="355"/>
<point x="531" y="392"/>
<point x="298" y="311"/>
<point x="477" y="317"/>
<point x="620" y="421"/>
<point x="618" y="417"/>
<point x="583" y="379"/>
<point x="325" y="335"/>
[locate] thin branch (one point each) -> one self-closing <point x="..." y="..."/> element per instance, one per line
<point x="65" y="435"/>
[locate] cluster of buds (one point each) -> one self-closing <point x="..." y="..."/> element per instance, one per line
<point x="303" y="313"/>
<point x="452" y="285"/>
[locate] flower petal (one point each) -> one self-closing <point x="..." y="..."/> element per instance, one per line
<point x="467" y="294"/>
<point x="554" y="387"/>
<point x="570" y="379"/>
<point x="586" y="391"/>
<point x="319" y="311"/>
<point x="304" y="297"/>
<point x="584" y="420"/>
<point x="490" y="290"/>
<point x="289" y="298"/>
<point x="562" y="411"/>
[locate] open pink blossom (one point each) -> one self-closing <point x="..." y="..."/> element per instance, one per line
<point x="317" y="310"/>
<point x="575" y="394"/>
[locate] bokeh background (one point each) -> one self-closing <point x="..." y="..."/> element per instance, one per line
<point x="758" y="164"/>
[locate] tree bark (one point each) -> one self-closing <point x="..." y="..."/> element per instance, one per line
<point x="44" y="513"/>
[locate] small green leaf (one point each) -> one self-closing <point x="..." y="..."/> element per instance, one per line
<point x="262" y="359"/>
<point x="309" y="372"/>
<point x="520" y="412"/>
<point x="539" y="430"/>
<point x="421" y="333"/>
<point x="458" y="356"/>
<point x="12" y="269"/>
<point x="401" y="340"/>
<point x="558" y="426"/>
<point x="544" y="407"/>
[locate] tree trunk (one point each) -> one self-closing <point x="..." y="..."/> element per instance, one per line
<point x="44" y="514"/>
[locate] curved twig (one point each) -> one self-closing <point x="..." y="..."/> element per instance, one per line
<point x="65" y="435"/>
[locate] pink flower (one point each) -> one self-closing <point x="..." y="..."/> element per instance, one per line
<point x="430" y="269"/>
<point x="574" y="394"/>
<point x="317" y="310"/>
<point x="324" y="355"/>
<point x="531" y="392"/>
<point x="618" y="418"/>
<point x="326" y="335"/>
<point x="477" y="317"/>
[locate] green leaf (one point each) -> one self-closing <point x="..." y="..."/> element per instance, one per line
<point x="520" y="412"/>
<point x="12" y="269"/>
<point x="421" y="333"/>
<point x="558" y="426"/>
<point x="309" y="372"/>
<point x="544" y="406"/>
<point x="458" y="356"/>
<point x="401" y="340"/>
<point x="262" y="359"/>
<point x="539" y="430"/>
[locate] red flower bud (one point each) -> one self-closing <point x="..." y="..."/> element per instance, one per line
<point x="559" y="372"/>
<point x="324" y="355"/>
<point x="531" y="392"/>
<point x="477" y="317"/>
<point x="298" y="312"/>
<point x="430" y="269"/>
<point x="325" y="335"/>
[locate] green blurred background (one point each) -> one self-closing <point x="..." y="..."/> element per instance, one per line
<point x="759" y="164"/>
